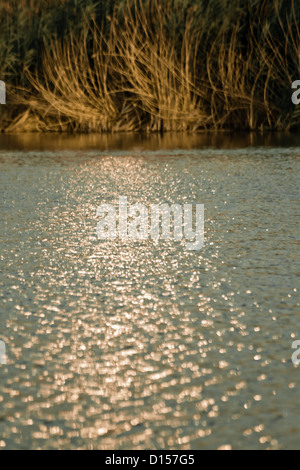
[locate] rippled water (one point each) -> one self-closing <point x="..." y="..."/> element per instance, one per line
<point x="143" y="345"/>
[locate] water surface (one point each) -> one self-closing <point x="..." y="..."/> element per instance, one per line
<point x="143" y="345"/>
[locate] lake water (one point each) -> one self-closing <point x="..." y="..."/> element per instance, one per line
<point x="145" y="345"/>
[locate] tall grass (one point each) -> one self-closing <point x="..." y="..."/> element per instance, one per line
<point x="150" y="65"/>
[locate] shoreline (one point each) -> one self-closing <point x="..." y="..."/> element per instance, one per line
<point x="130" y="141"/>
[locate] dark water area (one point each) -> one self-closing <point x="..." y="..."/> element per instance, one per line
<point x="153" y="141"/>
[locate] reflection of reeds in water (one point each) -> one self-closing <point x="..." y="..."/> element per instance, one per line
<point x="165" y="66"/>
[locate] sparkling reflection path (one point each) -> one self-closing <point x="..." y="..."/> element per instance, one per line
<point x="146" y="345"/>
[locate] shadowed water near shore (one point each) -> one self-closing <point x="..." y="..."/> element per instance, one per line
<point x="115" y="345"/>
<point x="153" y="141"/>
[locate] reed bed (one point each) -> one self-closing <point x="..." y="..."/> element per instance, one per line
<point x="149" y="65"/>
